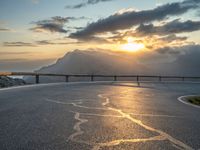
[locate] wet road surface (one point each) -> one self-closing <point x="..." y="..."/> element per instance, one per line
<point x="99" y="116"/>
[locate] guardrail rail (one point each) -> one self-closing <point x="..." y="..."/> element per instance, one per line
<point x="138" y="78"/>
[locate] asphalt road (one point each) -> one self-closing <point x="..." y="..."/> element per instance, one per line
<point x="99" y="116"/>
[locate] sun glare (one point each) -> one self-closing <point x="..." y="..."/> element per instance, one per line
<point x="132" y="46"/>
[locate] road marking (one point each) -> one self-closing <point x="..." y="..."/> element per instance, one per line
<point x="163" y="134"/>
<point x="92" y="114"/>
<point x="96" y="146"/>
<point x="58" y="102"/>
<point x="106" y="102"/>
<point x="117" y="142"/>
<point x="182" y="99"/>
<point x="77" y="127"/>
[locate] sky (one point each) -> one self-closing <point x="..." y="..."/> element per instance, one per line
<point x="34" y="33"/>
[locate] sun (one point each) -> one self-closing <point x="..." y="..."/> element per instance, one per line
<point x="132" y="46"/>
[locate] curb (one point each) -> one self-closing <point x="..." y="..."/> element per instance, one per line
<point x="183" y="100"/>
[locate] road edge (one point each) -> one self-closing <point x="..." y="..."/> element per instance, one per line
<point x="51" y="84"/>
<point x="182" y="99"/>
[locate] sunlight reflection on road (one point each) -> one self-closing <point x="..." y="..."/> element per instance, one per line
<point x="123" y="99"/>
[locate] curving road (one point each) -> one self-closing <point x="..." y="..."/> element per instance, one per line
<point x="99" y="116"/>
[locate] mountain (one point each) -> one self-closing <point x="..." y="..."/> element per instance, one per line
<point x="105" y="62"/>
<point x="91" y="62"/>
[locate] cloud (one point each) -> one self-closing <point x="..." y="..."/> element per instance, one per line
<point x="172" y="37"/>
<point x="175" y="26"/>
<point x="168" y="50"/>
<point x="50" y="42"/>
<point x="23" y="64"/>
<point x="84" y="4"/>
<point x="173" y="60"/>
<point x="55" y="24"/>
<point x="129" y="19"/>
<point x="5" y="30"/>
<point x="186" y="61"/>
<point x="4" y="27"/>
<point x="74" y="27"/>
<point x="18" y="44"/>
<point x="39" y="43"/>
<point x="65" y="41"/>
<point x="190" y="56"/>
<point x="12" y="53"/>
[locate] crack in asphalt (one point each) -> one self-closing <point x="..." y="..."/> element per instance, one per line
<point x="139" y="122"/>
<point x="96" y="146"/>
<point x="77" y="127"/>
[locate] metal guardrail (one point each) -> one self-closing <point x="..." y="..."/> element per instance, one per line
<point x="92" y="77"/>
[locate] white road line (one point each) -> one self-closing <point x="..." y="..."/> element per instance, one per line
<point x="97" y="146"/>
<point x="162" y="133"/>
<point x="77" y="127"/>
<point x="99" y="115"/>
<point x="182" y="99"/>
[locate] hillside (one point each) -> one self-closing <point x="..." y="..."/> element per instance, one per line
<point x="91" y="62"/>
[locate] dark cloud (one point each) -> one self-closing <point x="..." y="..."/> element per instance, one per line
<point x="74" y="27"/>
<point x="129" y="19"/>
<point x="79" y="18"/>
<point x="5" y="30"/>
<point x="168" y="50"/>
<point x="187" y="62"/>
<point x="190" y="57"/>
<point x="48" y="42"/>
<point x="180" y="50"/>
<point x="91" y="39"/>
<point x="88" y="2"/>
<point x="172" y="37"/>
<point x="55" y="24"/>
<point x="175" y="26"/>
<point x="44" y="42"/>
<point x="39" y="43"/>
<point x="66" y="41"/>
<point x="18" y="44"/>
<point x="175" y="60"/>
<point x="167" y="38"/>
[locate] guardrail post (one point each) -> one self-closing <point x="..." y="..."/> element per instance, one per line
<point x="66" y="78"/>
<point x="115" y="78"/>
<point x="183" y="78"/>
<point x="92" y="77"/>
<point x="37" y="79"/>
<point x="138" y="81"/>
<point x="160" y="78"/>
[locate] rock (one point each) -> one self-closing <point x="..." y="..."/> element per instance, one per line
<point x="8" y="81"/>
